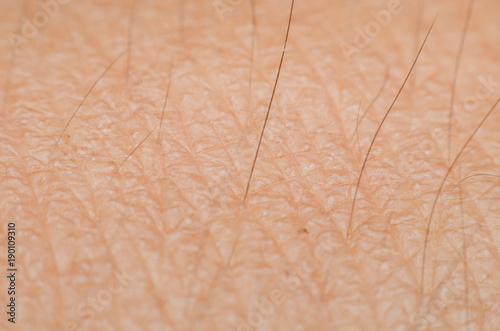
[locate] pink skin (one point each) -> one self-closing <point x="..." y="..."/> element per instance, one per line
<point x="128" y="134"/>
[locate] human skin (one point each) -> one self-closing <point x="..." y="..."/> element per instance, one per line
<point x="122" y="225"/>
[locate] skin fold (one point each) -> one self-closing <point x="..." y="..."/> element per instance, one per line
<point x="128" y="132"/>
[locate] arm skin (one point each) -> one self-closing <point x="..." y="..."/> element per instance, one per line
<point x="136" y="220"/>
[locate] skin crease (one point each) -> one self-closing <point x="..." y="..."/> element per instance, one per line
<point x="123" y="226"/>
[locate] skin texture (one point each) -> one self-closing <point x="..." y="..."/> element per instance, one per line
<point x="128" y="133"/>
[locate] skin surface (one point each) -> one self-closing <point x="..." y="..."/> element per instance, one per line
<point x="129" y="208"/>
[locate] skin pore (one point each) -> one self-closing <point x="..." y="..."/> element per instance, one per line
<point x="130" y="128"/>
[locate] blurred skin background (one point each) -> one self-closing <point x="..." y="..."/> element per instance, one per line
<point x="128" y="134"/>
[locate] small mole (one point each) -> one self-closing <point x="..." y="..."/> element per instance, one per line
<point x="304" y="230"/>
